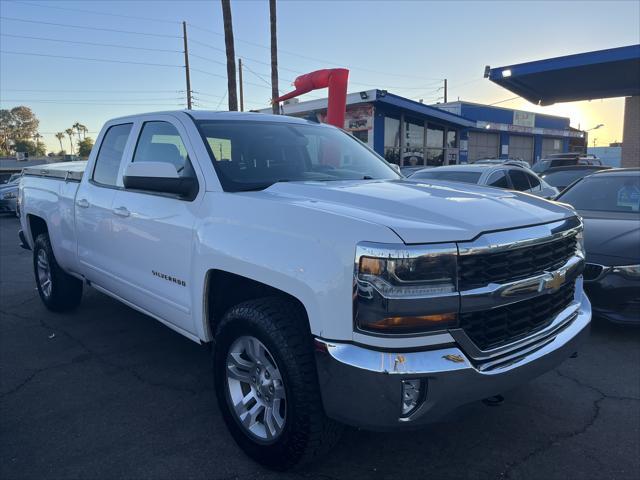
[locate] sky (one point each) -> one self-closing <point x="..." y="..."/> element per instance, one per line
<point x="406" y="48"/>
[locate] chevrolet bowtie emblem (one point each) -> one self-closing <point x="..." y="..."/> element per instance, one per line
<point x="553" y="280"/>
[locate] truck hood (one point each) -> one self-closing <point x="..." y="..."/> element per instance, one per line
<point x="421" y="212"/>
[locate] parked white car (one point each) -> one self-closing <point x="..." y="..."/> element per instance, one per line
<point x="331" y="290"/>
<point x="502" y="175"/>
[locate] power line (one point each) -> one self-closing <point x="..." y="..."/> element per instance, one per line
<point x="77" y="42"/>
<point x="505" y="100"/>
<point x="33" y="4"/>
<point x="131" y="32"/>
<point x="91" y="59"/>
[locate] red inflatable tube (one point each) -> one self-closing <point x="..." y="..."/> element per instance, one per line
<point x="336" y="80"/>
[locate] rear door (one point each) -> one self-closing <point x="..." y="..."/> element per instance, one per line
<point x="94" y="219"/>
<point x="155" y="230"/>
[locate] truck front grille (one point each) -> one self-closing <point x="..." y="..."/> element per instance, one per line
<point x="493" y="328"/>
<point x="478" y="270"/>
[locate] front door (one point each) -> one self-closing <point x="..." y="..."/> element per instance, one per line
<point x="94" y="218"/>
<point x="154" y="232"/>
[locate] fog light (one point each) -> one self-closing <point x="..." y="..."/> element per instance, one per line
<point x="411" y="396"/>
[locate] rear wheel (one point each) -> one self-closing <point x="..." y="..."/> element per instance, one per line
<point x="58" y="290"/>
<point x="267" y="385"/>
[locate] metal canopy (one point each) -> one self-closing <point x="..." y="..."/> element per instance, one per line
<point x="585" y="76"/>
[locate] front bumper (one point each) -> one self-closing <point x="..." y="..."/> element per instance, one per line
<point x="615" y="298"/>
<point x="363" y="387"/>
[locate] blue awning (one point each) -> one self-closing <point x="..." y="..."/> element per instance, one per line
<point x="585" y="76"/>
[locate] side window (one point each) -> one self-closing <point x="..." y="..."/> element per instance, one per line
<point x="161" y="142"/>
<point x="498" y="179"/>
<point x="519" y="180"/>
<point x="109" y="156"/>
<point x="534" y="182"/>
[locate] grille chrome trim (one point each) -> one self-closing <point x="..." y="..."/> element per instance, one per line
<point x="494" y="242"/>
<point x="497" y="295"/>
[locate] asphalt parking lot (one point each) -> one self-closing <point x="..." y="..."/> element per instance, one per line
<point x="106" y="392"/>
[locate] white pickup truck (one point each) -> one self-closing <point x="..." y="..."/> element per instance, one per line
<point x="331" y="289"/>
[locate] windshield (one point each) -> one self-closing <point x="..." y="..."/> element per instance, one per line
<point x="449" y="175"/>
<point x="255" y="155"/>
<point x="605" y="193"/>
<point x="540" y="166"/>
<point x="563" y="178"/>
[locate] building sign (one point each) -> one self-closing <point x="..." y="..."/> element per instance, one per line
<point x="524" y="119"/>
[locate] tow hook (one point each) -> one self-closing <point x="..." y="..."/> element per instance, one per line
<point x="494" y="401"/>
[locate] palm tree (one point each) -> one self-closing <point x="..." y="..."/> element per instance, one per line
<point x="69" y="131"/>
<point x="84" y="131"/>
<point x="78" y="128"/>
<point x="60" y="136"/>
<point x="231" y="55"/>
<point x="274" y="56"/>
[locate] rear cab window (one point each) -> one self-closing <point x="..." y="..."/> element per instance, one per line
<point x="105" y="171"/>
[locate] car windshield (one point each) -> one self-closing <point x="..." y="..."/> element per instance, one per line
<point x="605" y="193"/>
<point x="449" y="175"/>
<point x="255" y="155"/>
<point x="563" y="178"/>
<point x="541" y="166"/>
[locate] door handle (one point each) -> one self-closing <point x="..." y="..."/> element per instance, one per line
<point x="82" y="203"/>
<point x="121" y="212"/>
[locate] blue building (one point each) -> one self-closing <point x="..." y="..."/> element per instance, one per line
<point x="407" y="132"/>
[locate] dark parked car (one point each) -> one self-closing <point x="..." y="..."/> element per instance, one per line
<point x="563" y="160"/>
<point x="609" y="202"/>
<point x="562" y="177"/>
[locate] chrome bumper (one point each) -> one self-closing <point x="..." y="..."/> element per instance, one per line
<point x="362" y="387"/>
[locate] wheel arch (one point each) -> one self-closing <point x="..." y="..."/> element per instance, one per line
<point x="223" y="290"/>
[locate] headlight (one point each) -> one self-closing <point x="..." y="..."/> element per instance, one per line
<point x="9" y="195"/>
<point x="629" y="271"/>
<point x="405" y="289"/>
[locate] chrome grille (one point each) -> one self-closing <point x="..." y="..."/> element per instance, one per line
<point x="479" y="270"/>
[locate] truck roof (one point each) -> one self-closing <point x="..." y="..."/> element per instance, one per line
<point x="224" y="115"/>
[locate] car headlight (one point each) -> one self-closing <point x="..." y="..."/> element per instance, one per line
<point x="405" y="289"/>
<point x="9" y="195"/>
<point x="629" y="271"/>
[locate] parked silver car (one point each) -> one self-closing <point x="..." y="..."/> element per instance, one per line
<point x="9" y="194"/>
<point x="505" y="175"/>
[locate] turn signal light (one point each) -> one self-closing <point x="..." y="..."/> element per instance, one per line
<point x="422" y="322"/>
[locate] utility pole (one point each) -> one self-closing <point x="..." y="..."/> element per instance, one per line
<point x="231" y="55"/>
<point x="241" y="86"/>
<point x="445" y="90"/>
<point x="274" y="57"/>
<point x="186" y="64"/>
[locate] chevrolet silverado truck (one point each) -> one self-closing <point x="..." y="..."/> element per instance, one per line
<point x="331" y="290"/>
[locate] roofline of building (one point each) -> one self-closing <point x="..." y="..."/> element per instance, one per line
<point x="466" y="102"/>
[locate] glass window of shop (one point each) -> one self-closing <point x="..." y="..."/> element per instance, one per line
<point x="413" y="153"/>
<point x="452" y="138"/>
<point x="392" y="140"/>
<point x="435" y="145"/>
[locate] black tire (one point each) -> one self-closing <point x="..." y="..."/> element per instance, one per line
<point x="283" y="329"/>
<point x="65" y="291"/>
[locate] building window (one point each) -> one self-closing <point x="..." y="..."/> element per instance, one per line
<point x="392" y="140"/>
<point x="452" y="138"/>
<point x="435" y="145"/>
<point x="413" y="154"/>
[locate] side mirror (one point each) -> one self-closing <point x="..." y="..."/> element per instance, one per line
<point x="159" y="177"/>
<point x="396" y="168"/>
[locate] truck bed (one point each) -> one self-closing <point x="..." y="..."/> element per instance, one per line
<point x="68" y="171"/>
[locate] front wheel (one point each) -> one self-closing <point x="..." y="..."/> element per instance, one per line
<point x="267" y="385"/>
<point x="58" y="290"/>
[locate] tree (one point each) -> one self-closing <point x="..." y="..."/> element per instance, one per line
<point x="274" y="57"/>
<point x="19" y="123"/>
<point x="60" y="136"/>
<point x="84" y="147"/>
<point x="231" y="55"/>
<point x="69" y="131"/>
<point x="34" y="149"/>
